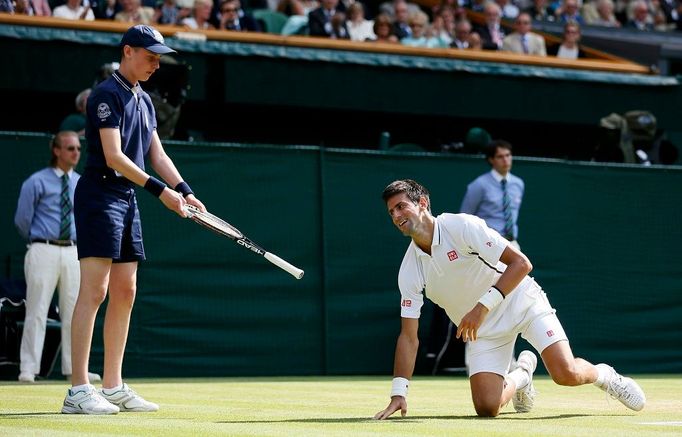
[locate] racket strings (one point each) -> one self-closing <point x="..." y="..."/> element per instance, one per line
<point x="213" y="222"/>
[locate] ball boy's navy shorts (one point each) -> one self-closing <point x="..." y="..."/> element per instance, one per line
<point x="107" y="219"/>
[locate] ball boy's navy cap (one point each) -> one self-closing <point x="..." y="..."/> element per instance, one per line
<point x="146" y="37"/>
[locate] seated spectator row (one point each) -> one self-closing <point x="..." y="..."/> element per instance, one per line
<point x="445" y="25"/>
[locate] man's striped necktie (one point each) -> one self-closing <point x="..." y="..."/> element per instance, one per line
<point x="66" y="207"/>
<point x="508" y="231"/>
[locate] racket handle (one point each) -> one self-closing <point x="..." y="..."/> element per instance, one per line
<point x="279" y="262"/>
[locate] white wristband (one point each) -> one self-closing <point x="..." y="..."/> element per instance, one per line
<point x="399" y="387"/>
<point x="491" y="299"/>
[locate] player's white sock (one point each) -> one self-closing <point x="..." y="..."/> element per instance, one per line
<point x="112" y="390"/>
<point x="603" y="375"/>
<point x="82" y="387"/>
<point x="520" y="378"/>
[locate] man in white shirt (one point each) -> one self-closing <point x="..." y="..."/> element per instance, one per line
<point x="482" y="283"/>
<point x="74" y="10"/>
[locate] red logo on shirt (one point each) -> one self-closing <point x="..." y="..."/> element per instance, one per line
<point x="406" y="303"/>
<point x="550" y="333"/>
<point x="452" y="255"/>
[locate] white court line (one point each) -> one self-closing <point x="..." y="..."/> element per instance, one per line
<point x="661" y="423"/>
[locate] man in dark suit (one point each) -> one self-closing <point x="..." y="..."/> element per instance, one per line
<point x="400" y="27"/>
<point x="328" y="21"/>
<point x="233" y="18"/>
<point x="492" y="34"/>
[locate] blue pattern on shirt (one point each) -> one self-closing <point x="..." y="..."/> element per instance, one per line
<point x="483" y="199"/>
<point x="39" y="212"/>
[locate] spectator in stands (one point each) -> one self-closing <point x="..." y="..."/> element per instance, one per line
<point x="298" y="16"/>
<point x="670" y="10"/>
<point x="76" y="122"/>
<point x="388" y="8"/>
<point x="569" y="48"/>
<point x="656" y="14"/>
<point x="604" y="14"/>
<point x="508" y="9"/>
<point x="401" y="28"/>
<point x="327" y="21"/>
<point x="133" y="12"/>
<point x="492" y="34"/>
<point x="201" y="14"/>
<point x="383" y="29"/>
<point x="540" y="11"/>
<point x="443" y="26"/>
<point x="569" y="12"/>
<point x="641" y="19"/>
<point x="106" y="9"/>
<point x="44" y="218"/>
<point x="522" y="40"/>
<point x="359" y="28"/>
<point x="22" y="7"/>
<point x="475" y="42"/>
<point x="462" y="34"/>
<point x="7" y="6"/>
<point x="167" y="12"/>
<point x="73" y="10"/>
<point x="40" y="8"/>
<point x="421" y="35"/>
<point x="233" y="18"/>
<point x="445" y="4"/>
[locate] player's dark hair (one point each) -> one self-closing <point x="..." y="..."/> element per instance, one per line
<point x="491" y="149"/>
<point x="413" y="189"/>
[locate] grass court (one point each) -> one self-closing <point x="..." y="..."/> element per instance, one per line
<point x="340" y="406"/>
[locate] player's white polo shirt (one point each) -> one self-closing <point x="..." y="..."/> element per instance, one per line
<point x="463" y="265"/>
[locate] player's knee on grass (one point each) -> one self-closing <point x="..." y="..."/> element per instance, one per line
<point x="486" y="406"/>
<point x="487" y="410"/>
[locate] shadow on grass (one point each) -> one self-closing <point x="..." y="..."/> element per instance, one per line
<point x="503" y="416"/>
<point x="36" y="413"/>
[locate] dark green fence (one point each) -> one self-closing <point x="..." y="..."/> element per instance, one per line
<point x="604" y="241"/>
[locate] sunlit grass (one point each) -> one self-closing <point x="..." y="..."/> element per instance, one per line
<point x="340" y="406"/>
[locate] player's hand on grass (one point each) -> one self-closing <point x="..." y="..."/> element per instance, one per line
<point x="397" y="403"/>
<point x="467" y="329"/>
<point x="173" y="201"/>
<point x="190" y="199"/>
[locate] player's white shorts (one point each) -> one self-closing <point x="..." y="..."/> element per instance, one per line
<point x="530" y="315"/>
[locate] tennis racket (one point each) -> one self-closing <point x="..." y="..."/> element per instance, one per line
<point x="220" y="226"/>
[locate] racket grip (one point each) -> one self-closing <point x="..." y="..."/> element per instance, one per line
<point x="279" y="262"/>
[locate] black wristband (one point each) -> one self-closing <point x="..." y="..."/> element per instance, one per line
<point x="154" y="186"/>
<point x="503" y="296"/>
<point x="183" y="189"/>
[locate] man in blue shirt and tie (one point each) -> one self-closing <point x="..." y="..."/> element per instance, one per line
<point x="496" y="195"/>
<point x="44" y="218"/>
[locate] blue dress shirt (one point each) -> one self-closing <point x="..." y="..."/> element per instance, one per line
<point x="483" y="198"/>
<point x="38" y="209"/>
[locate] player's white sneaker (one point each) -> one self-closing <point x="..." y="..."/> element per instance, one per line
<point x="524" y="398"/>
<point x="128" y="400"/>
<point x="87" y="401"/>
<point x="626" y="390"/>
